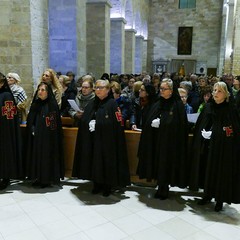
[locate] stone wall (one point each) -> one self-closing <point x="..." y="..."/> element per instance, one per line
<point x="23" y="26"/>
<point x="164" y="19"/>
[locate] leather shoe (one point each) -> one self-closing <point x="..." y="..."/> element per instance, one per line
<point x="4" y="183"/>
<point x="218" y="206"/>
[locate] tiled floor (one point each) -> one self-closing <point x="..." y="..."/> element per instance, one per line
<point x="71" y="212"/>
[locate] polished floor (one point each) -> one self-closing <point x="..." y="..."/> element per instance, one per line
<point x="71" y="212"/>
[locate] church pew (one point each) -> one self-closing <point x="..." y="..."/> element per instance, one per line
<point x="69" y="141"/>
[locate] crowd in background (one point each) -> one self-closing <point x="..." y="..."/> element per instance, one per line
<point x="156" y="105"/>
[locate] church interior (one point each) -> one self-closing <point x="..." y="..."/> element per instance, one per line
<point x="115" y="36"/>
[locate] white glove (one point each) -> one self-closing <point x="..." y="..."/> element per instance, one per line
<point x="92" y="124"/>
<point x="155" y="123"/>
<point x="206" y="134"/>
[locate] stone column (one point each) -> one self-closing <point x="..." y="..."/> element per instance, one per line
<point x="144" y="57"/>
<point x="24" y="40"/>
<point x="117" y="45"/>
<point x="130" y="42"/>
<point x="98" y="37"/>
<point x="67" y="32"/>
<point x="236" y="42"/>
<point x="139" y="54"/>
<point x="229" y="38"/>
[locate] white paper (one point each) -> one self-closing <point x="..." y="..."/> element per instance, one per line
<point x="192" y="117"/>
<point x="137" y="129"/>
<point x="74" y="105"/>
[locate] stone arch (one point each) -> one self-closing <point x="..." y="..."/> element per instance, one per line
<point x="117" y="9"/>
<point x="129" y="14"/>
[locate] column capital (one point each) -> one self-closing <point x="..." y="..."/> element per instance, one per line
<point x="120" y="19"/>
<point x="131" y="30"/>
<point x="107" y="2"/>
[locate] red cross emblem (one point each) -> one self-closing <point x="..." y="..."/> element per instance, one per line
<point x="51" y="121"/>
<point x="228" y="131"/>
<point x="119" y="116"/>
<point x="9" y="109"/>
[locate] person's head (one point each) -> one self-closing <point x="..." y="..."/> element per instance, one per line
<point x="3" y="81"/>
<point x="71" y="75"/>
<point x="116" y="89"/>
<point x="64" y="80"/>
<point x="183" y="94"/>
<point x="193" y="78"/>
<point x="136" y="87"/>
<point x="206" y="93"/>
<point x="49" y="76"/>
<point x="13" y="78"/>
<point x="131" y="83"/>
<point x="228" y="79"/>
<point x="236" y="84"/>
<point x="42" y="90"/>
<point x="102" y="88"/>
<point x="220" y="92"/>
<point x="147" y="79"/>
<point x="187" y="85"/>
<point x="213" y="80"/>
<point x="87" y="87"/>
<point x="166" y="88"/>
<point x="105" y="76"/>
<point x="147" y="90"/>
<point x="202" y="82"/>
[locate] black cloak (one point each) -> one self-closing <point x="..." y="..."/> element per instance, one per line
<point x="10" y="137"/>
<point x="44" y="156"/>
<point x="221" y="169"/>
<point x="101" y="156"/>
<point x="162" y="151"/>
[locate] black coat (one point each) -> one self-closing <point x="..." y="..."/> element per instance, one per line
<point x="163" y="151"/>
<point x="10" y="139"/>
<point x="101" y="156"/>
<point x="44" y="156"/>
<point x="221" y="177"/>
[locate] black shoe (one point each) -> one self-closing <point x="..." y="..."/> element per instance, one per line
<point x="218" y="206"/>
<point x="162" y="192"/>
<point x="36" y="183"/>
<point x="204" y="201"/>
<point x="45" y="185"/>
<point x="157" y="193"/>
<point x="106" y="191"/>
<point x="4" y="183"/>
<point x="97" y="188"/>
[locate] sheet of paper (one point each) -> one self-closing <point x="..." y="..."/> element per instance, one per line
<point x="138" y="129"/>
<point x="74" y="105"/>
<point x="192" y="117"/>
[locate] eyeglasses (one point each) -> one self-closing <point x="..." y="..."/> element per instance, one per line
<point x="45" y="75"/>
<point x="99" y="87"/>
<point x="85" y="87"/>
<point x="164" y="89"/>
<point x="184" y="97"/>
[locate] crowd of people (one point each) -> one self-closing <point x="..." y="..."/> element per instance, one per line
<point x="158" y="106"/>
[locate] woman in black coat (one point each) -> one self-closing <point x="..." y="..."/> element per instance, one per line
<point x="100" y="153"/>
<point x="218" y="131"/>
<point x="163" y="145"/>
<point x="10" y="139"/>
<point x="45" y="163"/>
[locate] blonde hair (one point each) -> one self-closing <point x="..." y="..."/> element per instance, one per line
<point x="223" y="87"/>
<point x="182" y="91"/>
<point x="169" y="82"/>
<point x="54" y="80"/>
<point x="104" y="82"/>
